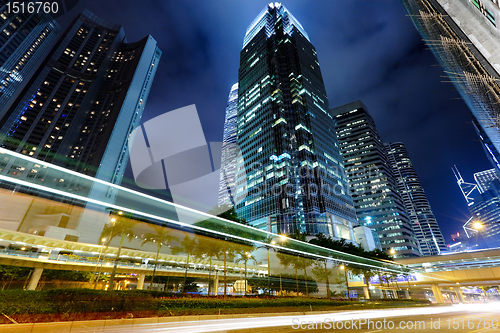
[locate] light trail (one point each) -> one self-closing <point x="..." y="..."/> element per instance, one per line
<point x="223" y="325"/>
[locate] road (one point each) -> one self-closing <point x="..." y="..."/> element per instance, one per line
<point x="461" y="318"/>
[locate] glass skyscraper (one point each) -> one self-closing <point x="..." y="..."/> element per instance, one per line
<point x="422" y="218"/>
<point x="290" y="175"/>
<point x="373" y="188"/>
<point x="25" y="40"/>
<point x="229" y="150"/>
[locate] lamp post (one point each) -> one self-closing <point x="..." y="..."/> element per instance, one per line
<point x="99" y="264"/>
<point x="272" y="242"/>
<point x="342" y="267"/>
<point x="269" y="268"/>
<point x="248" y="256"/>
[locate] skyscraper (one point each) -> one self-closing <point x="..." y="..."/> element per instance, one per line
<point x="87" y="96"/>
<point x="78" y="111"/>
<point x="229" y="151"/>
<point x="290" y="176"/>
<point x="483" y="201"/>
<point x="463" y="35"/>
<point x="24" y="42"/>
<point x="424" y="222"/>
<point x="373" y="187"/>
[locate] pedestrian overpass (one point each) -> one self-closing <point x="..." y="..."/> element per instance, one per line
<point x="457" y="272"/>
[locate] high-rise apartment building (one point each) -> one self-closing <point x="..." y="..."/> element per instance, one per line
<point x="464" y="37"/>
<point x="290" y="176"/>
<point x="373" y="187"/>
<point x="229" y="150"/>
<point x="417" y="206"/>
<point x="24" y="42"/>
<point x="78" y="110"/>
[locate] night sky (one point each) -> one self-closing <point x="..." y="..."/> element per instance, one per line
<point x="368" y="50"/>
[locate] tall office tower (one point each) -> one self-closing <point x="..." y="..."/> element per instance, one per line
<point x="483" y="201"/>
<point x="25" y="40"/>
<point x="373" y="187"/>
<point x="290" y="176"/>
<point x="464" y="37"/>
<point x="484" y="178"/>
<point x="82" y="104"/>
<point x="424" y="222"/>
<point x="229" y="150"/>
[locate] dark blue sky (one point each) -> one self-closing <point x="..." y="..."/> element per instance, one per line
<point x="368" y="50"/>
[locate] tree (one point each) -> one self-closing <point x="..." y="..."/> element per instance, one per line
<point x="13" y="273"/>
<point x="290" y="283"/>
<point x="189" y="284"/>
<point x="160" y="237"/>
<point x="227" y="212"/>
<point x="367" y="275"/>
<point x="244" y="253"/>
<point x="297" y="263"/>
<point x="298" y="235"/>
<point x="343" y="245"/>
<point x="321" y="271"/>
<point x="209" y="248"/>
<point x="188" y="246"/>
<point x="304" y="263"/>
<point x="119" y="226"/>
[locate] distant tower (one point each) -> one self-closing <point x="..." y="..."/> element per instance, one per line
<point x="291" y="174"/>
<point x="483" y="201"/>
<point x="424" y="222"/>
<point x="25" y="40"/>
<point x="373" y="187"/>
<point x="229" y="151"/>
<point x="464" y="37"/>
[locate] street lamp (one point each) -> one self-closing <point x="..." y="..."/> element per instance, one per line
<point x="342" y="267"/>
<point x="103" y="240"/>
<point x="477" y="225"/>
<point x="248" y="256"/>
<point x="268" y="247"/>
<point x="392" y="251"/>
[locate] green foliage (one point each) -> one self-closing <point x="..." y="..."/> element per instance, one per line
<point x="343" y="246"/>
<point x="13" y="273"/>
<point x="228" y="213"/>
<point x="54" y="274"/>
<point x="190" y="287"/>
<point x="298" y="235"/>
<point x="289" y="282"/>
<point x="14" y="302"/>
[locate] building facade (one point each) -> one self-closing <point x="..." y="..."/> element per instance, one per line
<point x="417" y="206"/>
<point x="229" y="150"/>
<point x="373" y="187"/>
<point x="465" y="38"/>
<point x="25" y="40"/>
<point x="290" y="175"/>
<point x="78" y="110"/>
